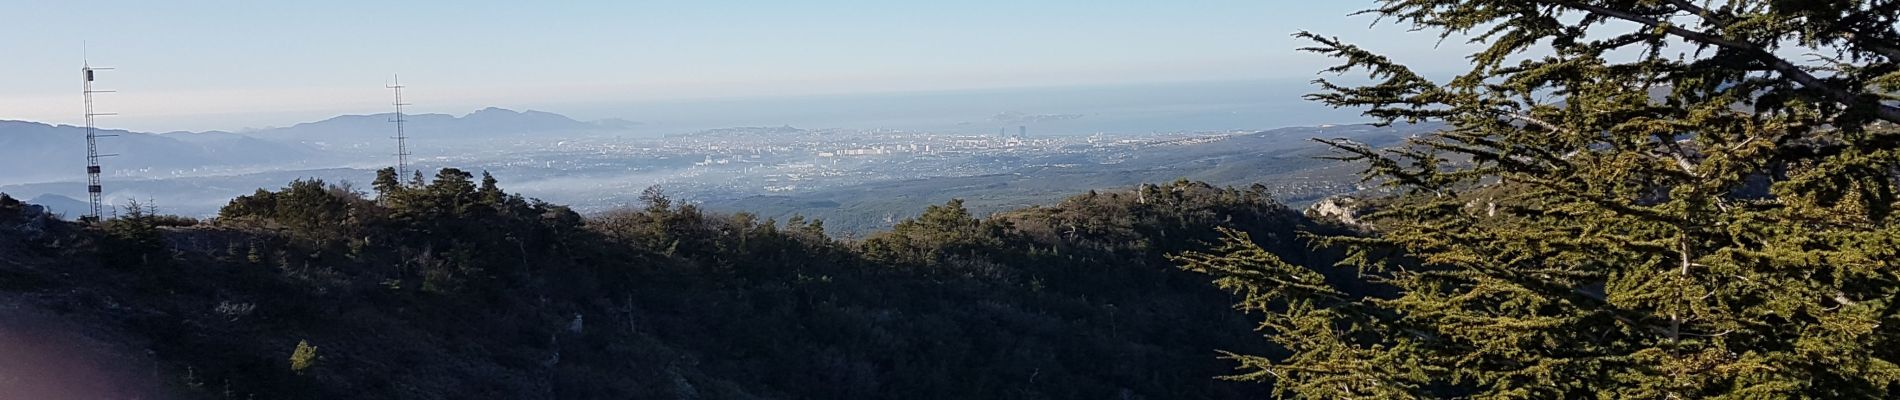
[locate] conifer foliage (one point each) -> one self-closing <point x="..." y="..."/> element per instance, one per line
<point x="1634" y="199"/>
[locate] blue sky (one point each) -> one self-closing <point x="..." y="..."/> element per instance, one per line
<point x="230" y="64"/>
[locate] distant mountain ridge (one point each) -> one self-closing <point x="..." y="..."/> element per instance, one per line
<point x="348" y="131"/>
<point x="62" y="205"/>
<point x="32" y="151"/>
<point x="40" y="152"/>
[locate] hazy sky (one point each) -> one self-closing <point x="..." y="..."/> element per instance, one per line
<point x="202" y="65"/>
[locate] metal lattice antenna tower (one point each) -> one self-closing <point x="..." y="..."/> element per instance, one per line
<point x="93" y="188"/>
<point x="402" y="138"/>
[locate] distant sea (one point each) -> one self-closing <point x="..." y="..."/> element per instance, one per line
<point x="1067" y="110"/>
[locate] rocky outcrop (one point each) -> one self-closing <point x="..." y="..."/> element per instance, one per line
<point x="30" y="222"/>
<point x="1342" y="208"/>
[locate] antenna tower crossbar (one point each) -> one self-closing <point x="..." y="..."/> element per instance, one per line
<point x="402" y="138"/>
<point x="93" y="188"/>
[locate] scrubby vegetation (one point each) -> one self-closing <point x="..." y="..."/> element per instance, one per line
<point x="452" y="288"/>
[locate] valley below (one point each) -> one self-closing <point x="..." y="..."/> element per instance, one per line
<point x="857" y="180"/>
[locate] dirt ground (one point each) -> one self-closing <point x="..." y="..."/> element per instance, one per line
<point x="47" y="357"/>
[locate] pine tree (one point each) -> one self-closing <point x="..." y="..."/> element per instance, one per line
<point x="386" y="184"/>
<point x="490" y="192"/>
<point x="132" y="238"/>
<point x="656" y="200"/>
<point x="254" y="255"/>
<point x="1632" y="199"/>
<point x="941" y="233"/>
<point x="452" y="192"/>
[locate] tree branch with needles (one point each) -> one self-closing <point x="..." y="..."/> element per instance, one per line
<point x="1781" y="65"/>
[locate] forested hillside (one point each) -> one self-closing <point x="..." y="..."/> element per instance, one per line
<point x="452" y="288"/>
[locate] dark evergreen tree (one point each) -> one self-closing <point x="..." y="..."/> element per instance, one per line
<point x="489" y="194"/>
<point x="1634" y="199"/>
<point x="943" y="235"/>
<point x="655" y="199"/>
<point x="452" y="192"/>
<point x="386" y="184"/>
<point x="132" y="238"/>
<point x="306" y="205"/>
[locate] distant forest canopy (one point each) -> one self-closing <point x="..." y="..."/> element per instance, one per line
<point x="450" y="287"/>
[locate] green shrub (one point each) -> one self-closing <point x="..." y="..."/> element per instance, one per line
<point x="303" y="357"/>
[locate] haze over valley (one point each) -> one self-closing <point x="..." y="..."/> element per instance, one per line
<point x="751" y="155"/>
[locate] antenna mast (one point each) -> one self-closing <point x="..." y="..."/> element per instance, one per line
<point x="402" y="139"/>
<point x="93" y="188"/>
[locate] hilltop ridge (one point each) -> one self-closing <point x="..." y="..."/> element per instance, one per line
<point x="474" y="292"/>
